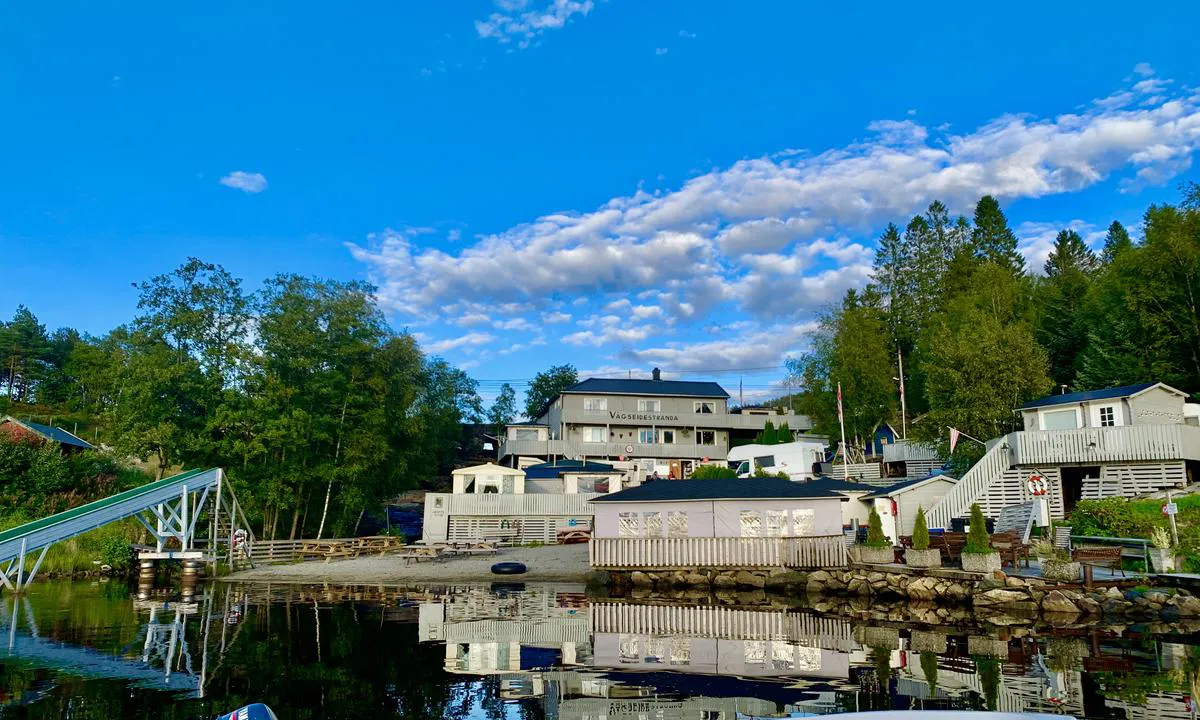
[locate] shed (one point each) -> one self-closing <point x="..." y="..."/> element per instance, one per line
<point x="760" y="507"/>
<point x="488" y="478"/>
<point x="897" y="504"/>
<point x="16" y="430"/>
<point x="853" y="507"/>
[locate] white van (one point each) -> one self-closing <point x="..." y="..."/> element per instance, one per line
<point x="796" y="458"/>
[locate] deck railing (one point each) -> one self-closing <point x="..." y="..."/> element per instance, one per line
<point x="798" y="552"/>
<point x="1131" y="443"/>
<point x="973" y="483"/>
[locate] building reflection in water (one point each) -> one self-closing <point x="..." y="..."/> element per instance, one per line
<point x="623" y="659"/>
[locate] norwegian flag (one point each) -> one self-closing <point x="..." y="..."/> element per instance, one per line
<point x="840" y="417"/>
<point x="954" y="433"/>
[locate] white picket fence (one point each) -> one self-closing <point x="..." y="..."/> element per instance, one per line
<point x="797" y="552"/>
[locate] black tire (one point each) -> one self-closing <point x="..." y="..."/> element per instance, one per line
<point x="508" y="568"/>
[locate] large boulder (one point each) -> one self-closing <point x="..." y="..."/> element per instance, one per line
<point x="640" y="579"/>
<point x="745" y="578"/>
<point x="1056" y="602"/>
<point x="1000" y="597"/>
<point x="786" y="579"/>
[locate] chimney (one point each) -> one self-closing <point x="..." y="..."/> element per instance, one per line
<point x="656" y="374"/>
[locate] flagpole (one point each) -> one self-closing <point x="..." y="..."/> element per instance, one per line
<point x="903" y="401"/>
<point x="842" y="422"/>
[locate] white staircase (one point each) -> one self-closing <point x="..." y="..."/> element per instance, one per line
<point x="989" y="470"/>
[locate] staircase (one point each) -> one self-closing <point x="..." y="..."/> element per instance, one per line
<point x="972" y="485"/>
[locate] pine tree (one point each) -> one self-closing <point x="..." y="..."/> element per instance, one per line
<point x="1116" y="242"/>
<point x="1070" y="254"/>
<point x="783" y="434"/>
<point x="768" y="436"/>
<point x="1064" y="327"/>
<point x="875" y="536"/>
<point x="992" y="239"/>
<point x="920" y="533"/>
<point x="978" y="540"/>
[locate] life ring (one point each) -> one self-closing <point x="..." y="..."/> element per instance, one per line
<point x="1037" y="485"/>
<point x="508" y="568"/>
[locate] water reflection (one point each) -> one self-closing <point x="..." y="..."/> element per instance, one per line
<point x="542" y="652"/>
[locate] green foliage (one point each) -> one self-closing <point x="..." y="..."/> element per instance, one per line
<point x="783" y="434"/>
<point x="875" y="536"/>
<point x="116" y="553"/>
<point x="929" y="668"/>
<point x="978" y="540"/>
<point x="920" y="534"/>
<point x="546" y="385"/>
<point x="992" y="239"/>
<point x="759" y="472"/>
<point x="768" y="436"/>
<point x="988" y="670"/>
<point x="504" y="408"/>
<point x="712" y="472"/>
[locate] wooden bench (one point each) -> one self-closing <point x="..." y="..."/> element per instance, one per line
<point x="1093" y="556"/>
<point x="1011" y="548"/>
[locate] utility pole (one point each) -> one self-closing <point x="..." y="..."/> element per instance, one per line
<point x="903" y="401"/>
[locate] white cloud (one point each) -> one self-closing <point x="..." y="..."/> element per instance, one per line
<point x="778" y="237"/>
<point x="473" y="339"/>
<point x="555" y="317"/>
<point x="767" y="347"/>
<point x="473" y="319"/>
<point x="1035" y="240"/>
<point x="661" y="51"/>
<point x="244" y="181"/>
<point x="519" y="323"/>
<point x="454" y="235"/>
<point x="1143" y="69"/>
<point x="515" y="22"/>
<point x="686" y="34"/>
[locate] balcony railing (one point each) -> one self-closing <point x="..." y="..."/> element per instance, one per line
<point x="576" y="450"/>
<point x="801" y="552"/>
<point x="1132" y="443"/>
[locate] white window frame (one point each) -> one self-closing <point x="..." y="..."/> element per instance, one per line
<point x="712" y="435"/>
<point x="699" y="407"/>
<point x="523" y="434"/>
<point x="652" y="524"/>
<point x="629" y="525"/>
<point x="751" y="523"/>
<point x="649" y="405"/>
<point x="1112" y="416"/>
<point x="647" y="436"/>
<point x="804" y="522"/>
<point x="595" y="404"/>
<point x="666" y="436"/>
<point x="595" y="433"/>
<point x="775" y="523"/>
<point x="677" y="523"/>
<point x="1061" y="411"/>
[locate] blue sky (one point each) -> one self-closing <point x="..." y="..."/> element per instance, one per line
<point x="615" y="184"/>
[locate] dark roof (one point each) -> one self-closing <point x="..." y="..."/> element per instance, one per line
<point x="732" y="489"/>
<point x="620" y="386"/>
<point x="838" y="485"/>
<point x="58" y="435"/>
<point x="1084" y="396"/>
<point x="527" y="423"/>
<point x="554" y="469"/>
<point x="885" y="491"/>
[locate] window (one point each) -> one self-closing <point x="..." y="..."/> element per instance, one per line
<point x="783" y="655"/>
<point x="1060" y="420"/>
<point x="646" y="436"/>
<point x="594" y="434"/>
<point x="765" y="461"/>
<point x="649" y="405"/>
<point x="804" y="522"/>
<point x="751" y="523"/>
<point x="1108" y="418"/>
<point x="652" y="524"/>
<point x="666" y="437"/>
<point x="706" y="437"/>
<point x="776" y="523"/>
<point x="525" y="434"/>
<point x="756" y="651"/>
<point x="595" y="403"/>
<point x="677" y="524"/>
<point x="630" y="648"/>
<point x="704" y="407"/>
<point x="627" y="525"/>
<point x="656" y="648"/>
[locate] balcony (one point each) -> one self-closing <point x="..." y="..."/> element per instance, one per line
<point x="1132" y="443"/>
<point x="580" y="450"/>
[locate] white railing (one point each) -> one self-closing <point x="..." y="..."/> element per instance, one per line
<point x="714" y="621"/>
<point x="909" y="450"/>
<point x="509" y="504"/>
<point x="1112" y="444"/>
<point x="973" y="483"/>
<point x="801" y="552"/>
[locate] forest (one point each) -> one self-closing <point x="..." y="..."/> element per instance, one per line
<point x="980" y="333"/>
<point x="314" y="406"/>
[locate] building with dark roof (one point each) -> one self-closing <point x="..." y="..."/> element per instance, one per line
<point x="15" y="430"/>
<point x="663" y="426"/>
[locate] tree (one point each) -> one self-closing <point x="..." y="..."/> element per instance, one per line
<point x="1063" y="329"/>
<point x="1116" y="242"/>
<point x="546" y="386"/>
<point x="929" y="668"/>
<point x="992" y="239"/>
<point x="504" y="408"/>
<point x="875" y="536"/>
<point x="783" y="434"/>
<point x="768" y="436"/>
<point x="920" y="533"/>
<point x="23" y="345"/>
<point x="978" y="540"/>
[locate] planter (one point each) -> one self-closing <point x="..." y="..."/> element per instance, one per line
<point x="927" y="641"/>
<point x="982" y="646"/>
<point x="1162" y="560"/>
<point x="1061" y="570"/>
<point x="931" y="557"/>
<point x="877" y="556"/>
<point x="981" y="562"/>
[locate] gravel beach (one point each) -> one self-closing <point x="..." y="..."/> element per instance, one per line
<point x="565" y="563"/>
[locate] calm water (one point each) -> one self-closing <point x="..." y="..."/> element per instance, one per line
<point x="94" y="650"/>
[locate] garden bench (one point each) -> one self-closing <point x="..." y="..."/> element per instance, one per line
<point x="1011" y="548"/>
<point x="1091" y="556"/>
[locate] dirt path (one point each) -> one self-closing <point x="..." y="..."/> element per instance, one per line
<point x="553" y="562"/>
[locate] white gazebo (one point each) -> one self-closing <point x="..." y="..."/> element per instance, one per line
<point x="488" y="478"/>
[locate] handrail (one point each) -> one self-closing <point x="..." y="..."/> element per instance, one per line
<point x="972" y="484"/>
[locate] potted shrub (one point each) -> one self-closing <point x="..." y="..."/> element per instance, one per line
<point x="878" y="548"/>
<point x="1162" y="555"/>
<point x="920" y="555"/>
<point x="1056" y="562"/>
<point x="979" y="555"/>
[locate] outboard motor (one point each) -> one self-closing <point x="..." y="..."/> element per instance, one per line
<point x="257" y="711"/>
